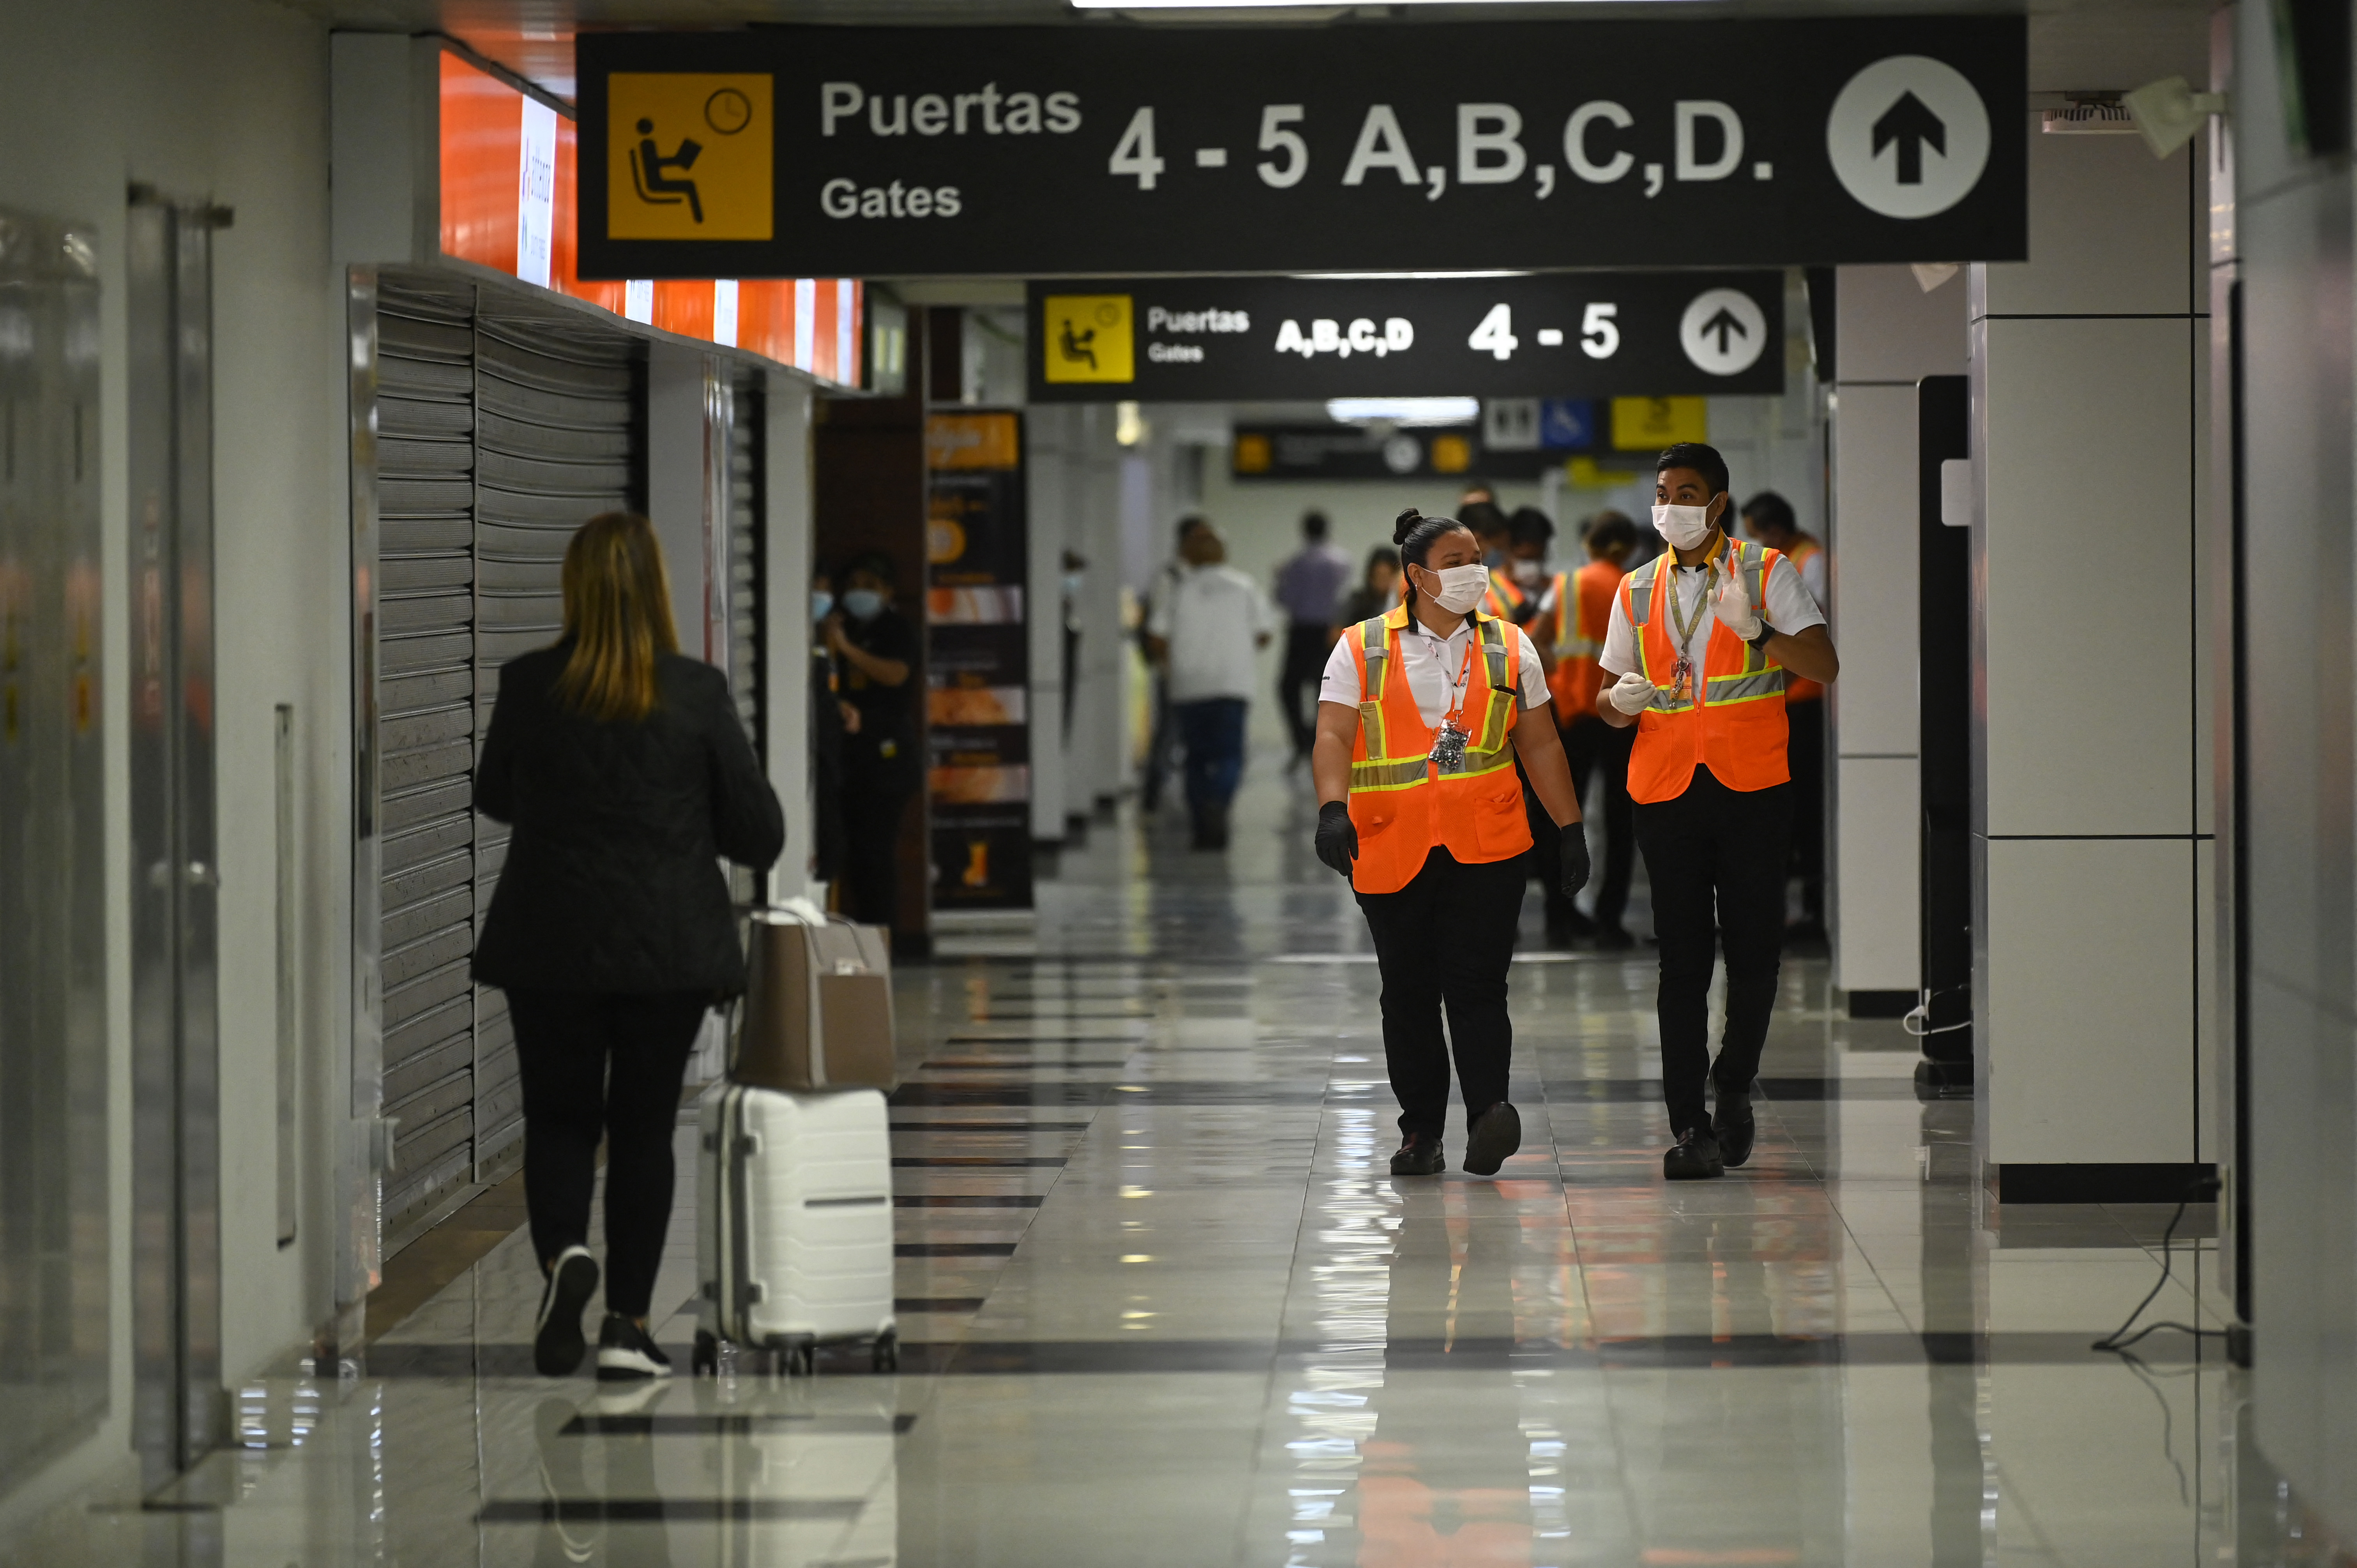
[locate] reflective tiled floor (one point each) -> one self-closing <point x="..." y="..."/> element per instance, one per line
<point x="1165" y="1306"/>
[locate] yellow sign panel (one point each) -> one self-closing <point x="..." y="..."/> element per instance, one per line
<point x="1639" y="423"/>
<point x="687" y="155"/>
<point x="1087" y="338"/>
<point x="970" y="441"/>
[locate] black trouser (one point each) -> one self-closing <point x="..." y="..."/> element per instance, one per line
<point x="873" y="805"/>
<point x="1717" y="859"/>
<point x="595" y="1064"/>
<point x="1297" y="683"/>
<point x="1593" y="746"/>
<point x="1806" y="750"/>
<point x="1445" y="939"/>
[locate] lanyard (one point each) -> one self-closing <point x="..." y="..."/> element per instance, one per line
<point x="1448" y="744"/>
<point x="1682" y="674"/>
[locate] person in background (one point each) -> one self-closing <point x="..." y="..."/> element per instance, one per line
<point x="1570" y="628"/>
<point x="1478" y="492"/>
<point x="1076" y="581"/>
<point x="1697" y="648"/>
<point x="1768" y="518"/>
<point x="830" y="718"/>
<point x="1164" y="739"/>
<point x="1495" y="534"/>
<point x="1308" y="584"/>
<point x="877" y="650"/>
<point x="626" y="776"/>
<point x="1204" y="631"/>
<point x="1377" y="591"/>
<point x="1530" y="533"/>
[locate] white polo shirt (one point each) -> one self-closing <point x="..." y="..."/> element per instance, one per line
<point x="1789" y="609"/>
<point x="1435" y="667"/>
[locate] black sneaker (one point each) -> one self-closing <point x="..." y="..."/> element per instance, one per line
<point x="1693" y="1157"/>
<point x="1420" y="1156"/>
<point x="626" y="1350"/>
<point x="1734" y="1127"/>
<point x="1494" y="1134"/>
<point x="556" y="1344"/>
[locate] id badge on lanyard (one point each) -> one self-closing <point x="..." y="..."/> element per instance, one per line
<point x="1448" y="746"/>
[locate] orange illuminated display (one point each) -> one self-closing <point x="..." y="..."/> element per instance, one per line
<point x="482" y="151"/>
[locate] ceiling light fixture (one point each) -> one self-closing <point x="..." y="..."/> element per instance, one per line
<point x="1404" y="409"/>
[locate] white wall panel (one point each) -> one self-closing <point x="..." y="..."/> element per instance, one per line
<point x="1875" y="575"/>
<point x="1886" y="329"/>
<point x="1878" y="872"/>
<point x="2107" y="233"/>
<point x="2090" y="989"/>
<point x="2087" y="576"/>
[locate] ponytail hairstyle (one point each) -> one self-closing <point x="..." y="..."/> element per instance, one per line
<point x="1416" y="534"/>
<point x="617" y="617"/>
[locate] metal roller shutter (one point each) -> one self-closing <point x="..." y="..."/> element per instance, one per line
<point x="746" y="567"/>
<point x="497" y="438"/>
<point x="425" y="697"/>
<point x="558" y="440"/>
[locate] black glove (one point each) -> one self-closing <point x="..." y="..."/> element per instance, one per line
<point x="1575" y="858"/>
<point x="1338" y="838"/>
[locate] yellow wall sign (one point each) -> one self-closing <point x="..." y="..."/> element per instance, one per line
<point x="972" y="441"/>
<point x="687" y="155"/>
<point x="1087" y="338"/>
<point x="1639" y="423"/>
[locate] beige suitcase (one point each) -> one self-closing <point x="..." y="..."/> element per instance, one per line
<point x="818" y="1006"/>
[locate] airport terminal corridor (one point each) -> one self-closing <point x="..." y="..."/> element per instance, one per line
<point x="1164" y="1305"/>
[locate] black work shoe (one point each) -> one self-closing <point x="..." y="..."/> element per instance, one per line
<point x="626" y="1350"/>
<point x="1420" y="1156"/>
<point x="556" y="1343"/>
<point x="1494" y="1134"/>
<point x="1693" y="1157"/>
<point x="1734" y="1127"/>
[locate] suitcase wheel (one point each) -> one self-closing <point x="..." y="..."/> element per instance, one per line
<point x="887" y="1352"/>
<point x="704" y="1361"/>
<point x="800" y="1358"/>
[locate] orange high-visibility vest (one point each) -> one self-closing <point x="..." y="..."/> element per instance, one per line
<point x="1583" y="609"/>
<point x="1734" y="723"/>
<point x="1504" y="597"/>
<point x="1401" y="803"/>
<point x="1800" y="688"/>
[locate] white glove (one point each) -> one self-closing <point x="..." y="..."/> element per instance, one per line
<point x="1731" y="603"/>
<point x="1632" y="693"/>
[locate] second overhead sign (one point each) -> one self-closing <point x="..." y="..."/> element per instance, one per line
<point x="1561" y="334"/>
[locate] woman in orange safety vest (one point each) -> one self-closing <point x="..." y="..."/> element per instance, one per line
<point x="1421" y="714"/>
<point x="1697" y="651"/>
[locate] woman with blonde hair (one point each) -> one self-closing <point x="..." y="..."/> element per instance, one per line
<point x="626" y="776"/>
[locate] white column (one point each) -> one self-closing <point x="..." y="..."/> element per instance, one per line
<point x="2091" y="832"/>
<point x="786" y="552"/>
<point x="1888" y="334"/>
<point x="1048" y="498"/>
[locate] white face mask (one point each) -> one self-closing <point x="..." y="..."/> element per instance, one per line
<point x="1527" y="572"/>
<point x="1686" y="527"/>
<point x="1461" y="588"/>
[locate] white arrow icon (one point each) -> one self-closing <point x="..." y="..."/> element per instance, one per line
<point x="1723" y="332"/>
<point x="1908" y="136"/>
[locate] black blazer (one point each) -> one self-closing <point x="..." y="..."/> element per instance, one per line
<point x="612" y="881"/>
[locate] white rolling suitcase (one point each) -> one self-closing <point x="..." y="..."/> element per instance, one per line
<point x="794" y="1224"/>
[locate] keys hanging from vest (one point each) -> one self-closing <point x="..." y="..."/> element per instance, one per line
<point x="1448" y="748"/>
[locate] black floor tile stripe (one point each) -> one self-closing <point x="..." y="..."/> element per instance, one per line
<point x="969" y="1200"/>
<point x="992" y="1126"/>
<point x="1046" y="1162"/>
<point x="1004" y="1063"/>
<point x="664" y="1510"/>
<point x="937" y="1303"/>
<point x="728" y="1423"/>
<point x="953" y="1249"/>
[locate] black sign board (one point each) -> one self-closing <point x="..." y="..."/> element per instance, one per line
<point x="1108" y="149"/>
<point x="1346" y="452"/>
<point x="1560" y="334"/>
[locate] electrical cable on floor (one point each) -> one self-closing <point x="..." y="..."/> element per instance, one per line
<point x="2204" y="1187"/>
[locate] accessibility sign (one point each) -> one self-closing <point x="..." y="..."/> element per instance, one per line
<point x="1365" y="145"/>
<point x="1563" y="335"/>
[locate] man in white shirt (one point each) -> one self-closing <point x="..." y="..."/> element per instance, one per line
<point x="1205" y="630"/>
<point x="1698" y="649"/>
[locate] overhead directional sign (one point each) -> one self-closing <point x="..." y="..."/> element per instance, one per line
<point x="1117" y="150"/>
<point x="1541" y="335"/>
